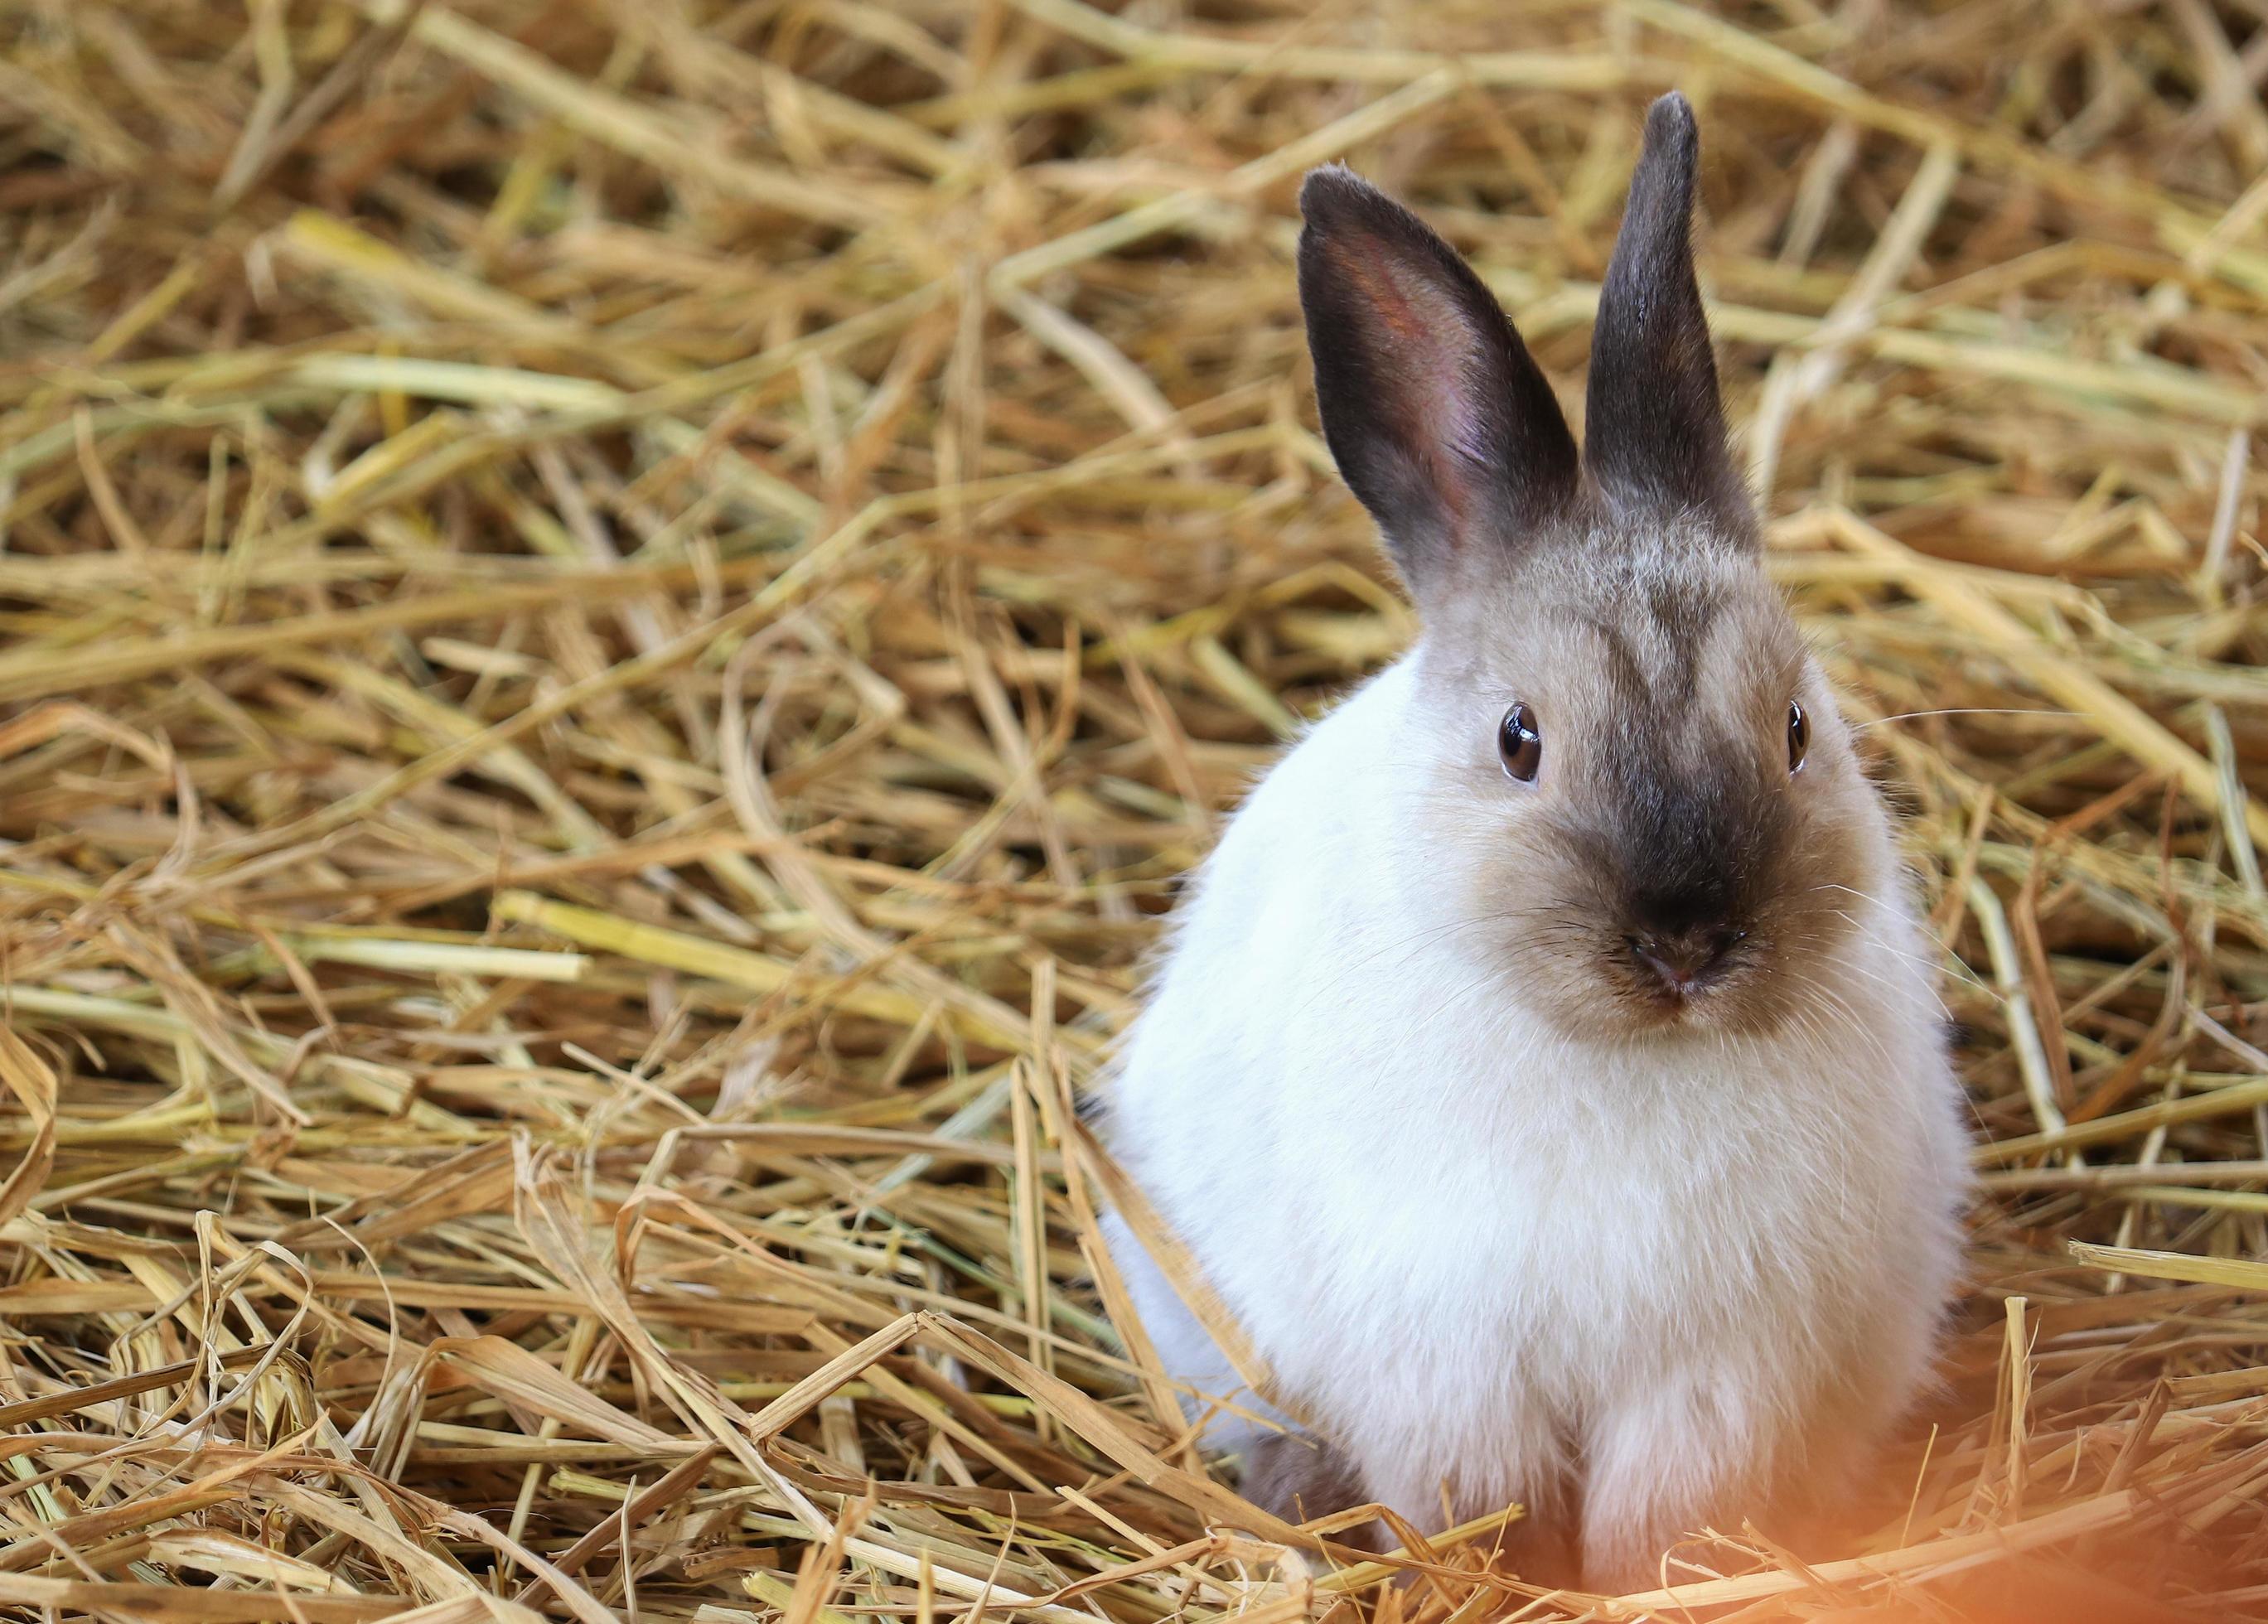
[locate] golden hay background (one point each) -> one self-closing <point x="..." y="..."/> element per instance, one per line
<point x="619" y="619"/>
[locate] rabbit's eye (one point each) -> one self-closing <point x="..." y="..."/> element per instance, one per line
<point x="1519" y="744"/>
<point x="1799" y="736"/>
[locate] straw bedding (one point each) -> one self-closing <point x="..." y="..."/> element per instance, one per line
<point x="619" y="619"/>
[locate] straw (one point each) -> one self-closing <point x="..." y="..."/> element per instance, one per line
<point x="621" y="624"/>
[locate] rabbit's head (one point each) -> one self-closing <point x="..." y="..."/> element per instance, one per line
<point x="1628" y="778"/>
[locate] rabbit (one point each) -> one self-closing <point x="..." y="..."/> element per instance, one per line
<point x="1545" y="1071"/>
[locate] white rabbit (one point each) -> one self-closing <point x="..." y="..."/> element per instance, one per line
<point x="1546" y="1073"/>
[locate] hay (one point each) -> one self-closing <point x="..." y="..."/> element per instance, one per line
<point x="619" y="619"/>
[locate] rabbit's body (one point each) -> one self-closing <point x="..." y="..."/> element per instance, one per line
<point x="1666" y="1281"/>
<point x="1546" y="1074"/>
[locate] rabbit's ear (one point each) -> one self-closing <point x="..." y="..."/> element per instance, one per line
<point x="1439" y="419"/>
<point x="1654" y="431"/>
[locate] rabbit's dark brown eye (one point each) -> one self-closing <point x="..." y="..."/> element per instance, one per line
<point x="1521" y="745"/>
<point x="1799" y="736"/>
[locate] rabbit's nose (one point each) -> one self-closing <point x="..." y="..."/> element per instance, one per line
<point x="1683" y="959"/>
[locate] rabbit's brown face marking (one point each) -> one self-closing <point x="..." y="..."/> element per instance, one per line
<point x="1667" y="869"/>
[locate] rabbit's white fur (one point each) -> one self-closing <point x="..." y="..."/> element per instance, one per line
<point x="1691" y="1275"/>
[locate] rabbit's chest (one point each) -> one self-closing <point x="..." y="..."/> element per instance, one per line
<point x="1476" y="1234"/>
<point x="1557" y="1248"/>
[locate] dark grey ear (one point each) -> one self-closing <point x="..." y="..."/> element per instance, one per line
<point x="1440" y="420"/>
<point x="1654" y="432"/>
